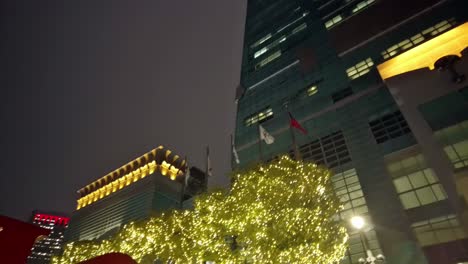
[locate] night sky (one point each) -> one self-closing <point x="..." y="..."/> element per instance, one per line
<point x="88" y="85"/>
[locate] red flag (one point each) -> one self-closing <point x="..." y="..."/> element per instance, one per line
<point x="293" y="123"/>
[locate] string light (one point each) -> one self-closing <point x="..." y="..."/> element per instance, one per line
<point x="281" y="212"/>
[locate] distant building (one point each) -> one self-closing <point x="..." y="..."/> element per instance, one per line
<point x="145" y="186"/>
<point x="45" y="248"/>
<point x="359" y="76"/>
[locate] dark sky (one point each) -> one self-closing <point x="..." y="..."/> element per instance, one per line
<point x="88" y="85"/>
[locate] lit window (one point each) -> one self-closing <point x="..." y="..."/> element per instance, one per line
<point x="260" y="52"/>
<point x="279" y="40"/>
<point x="259" y="117"/>
<point x="418" y="38"/>
<point x="312" y="90"/>
<point x="438" y="230"/>
<point x="455" y="140"/>
<point x="348" y="189"/>
<point x="268" y="59"/>
<point x="299" y="28"/>
<point x="260" y="41"/>
<point x="360" y="69"/>
<point x="294" y="21"/>
<point x="362" y="5"/>
<point x="335" y="20"/>
<point x="416" y="184"/>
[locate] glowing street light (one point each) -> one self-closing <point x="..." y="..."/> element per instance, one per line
<point x="358" y="222"/>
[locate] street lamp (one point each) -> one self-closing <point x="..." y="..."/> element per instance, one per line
<point x="358" y="222"/>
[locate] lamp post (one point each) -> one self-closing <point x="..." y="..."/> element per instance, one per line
<point x="358" y="222"/>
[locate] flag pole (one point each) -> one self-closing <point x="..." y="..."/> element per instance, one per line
<point x="184" y="183"/>
<point x="207" y="171"/>
<point x="297" y="155"/>
<point x="260" y="151"/>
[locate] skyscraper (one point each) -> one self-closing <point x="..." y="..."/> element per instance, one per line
<point x="397" y="166"/>
<point x="137" y="190"/>
<point x="46" y="247"/>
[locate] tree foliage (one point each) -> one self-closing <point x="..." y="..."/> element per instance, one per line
<point x="281" y="212"/>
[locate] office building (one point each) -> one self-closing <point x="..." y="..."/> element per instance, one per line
<point x="46" y="247"/>
<point x="137" y="190"/>
<point x="392" y="124"/>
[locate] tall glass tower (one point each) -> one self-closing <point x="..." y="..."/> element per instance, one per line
<point x="319" y="60"/>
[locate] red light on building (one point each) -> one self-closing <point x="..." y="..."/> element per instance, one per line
<point x="57" y="220"/>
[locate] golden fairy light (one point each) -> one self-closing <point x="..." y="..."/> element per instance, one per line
<point x="276" y="213"/>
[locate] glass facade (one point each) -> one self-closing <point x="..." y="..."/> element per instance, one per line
<point x="455" y="141"/>
<point x="416" y="184"/>
<point x="316" y="58"/>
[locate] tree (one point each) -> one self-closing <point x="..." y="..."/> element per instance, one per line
<point x="282" y="212"/>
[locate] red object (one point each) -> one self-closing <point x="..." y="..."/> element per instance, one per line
<point x="111" y="258"/>
<point x="16" y="239"/>
<point x="293" y="123"/>
<point x="57" y="220"/>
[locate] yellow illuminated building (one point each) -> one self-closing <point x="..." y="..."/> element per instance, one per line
<point x="425" y="55"/>
<point x="157" y="160"/>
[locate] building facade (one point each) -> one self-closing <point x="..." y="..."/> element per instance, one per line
<point x="398" y="153"/>
<point x="137" y="190"/>
<point x="46" y="247"/>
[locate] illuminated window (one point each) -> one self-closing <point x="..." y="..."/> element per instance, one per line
<point x="279" y="40"/>
<point x="294" y="21"/>
<point x="416" y="184"/>
<point x="389" y="126"/>
<point x="348" y="188"/>
<point x="312" y="90"/>
<point x="299" y="28"/>
<point x="362" y="5"/>
<point x="335" y="20"/>
<point x="260" y="41"/>
<point x="259" y="117"/>
<point x="438" y="230"/>
<point x="418" y="38"/>
<point x="360" y="69"/>
<point x="455" y="140"/>
<point x="268" y="59"/>
<point x="260" y="52"/>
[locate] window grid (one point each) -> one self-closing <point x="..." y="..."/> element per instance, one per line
<point x="416" y="184"/>
<point x="259" y="117"/>
<point x="388" y="127"/>
<point x="438" y="230"/>
<point x="268" y="59"/>
<point x="360" y="69"/>
<point x="260" y="41"/>
<point x="279" y="40"/>
<point x="330" y="150"/>
<point x="455" y="140"/>
<point x="418" y="38"/>
<point x="362" y="5"/>
<point x="334" y="21"/>
<point x="348" y="188"/>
